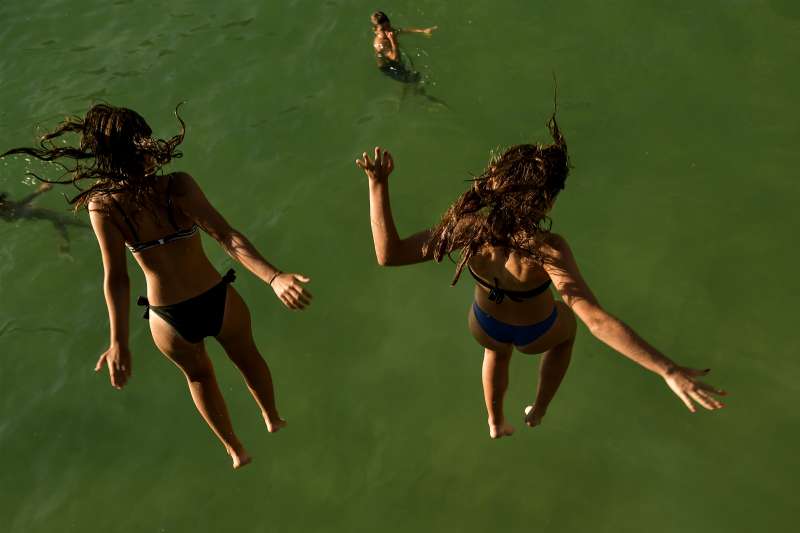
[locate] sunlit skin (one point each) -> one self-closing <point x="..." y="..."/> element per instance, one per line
<point x="514" y="272"/>
<point x="176" y="271"/>
<point x="385" y="43"/>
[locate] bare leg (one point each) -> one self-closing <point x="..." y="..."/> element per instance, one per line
<point x="236" y="337"/>
<point x="556" y="345"/>
<point x="495" y="383"/>
<point x="552" y="368"/>
<point x="193" y="361"/>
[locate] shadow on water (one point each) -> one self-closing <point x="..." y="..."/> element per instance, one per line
<point x="23" y="209"/>
<point x="414" y="83"/>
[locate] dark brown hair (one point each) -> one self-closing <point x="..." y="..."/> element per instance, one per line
<point x="117" y="153"/>
<point x="379" y="18"/>
<point x="507" y="205"/>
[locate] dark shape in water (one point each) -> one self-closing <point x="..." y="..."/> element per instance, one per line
<point x="11" y="211"/>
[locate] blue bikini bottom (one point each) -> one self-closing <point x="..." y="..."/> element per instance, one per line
<point x="508" y="333"/>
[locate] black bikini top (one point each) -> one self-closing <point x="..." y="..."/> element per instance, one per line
<point x="496" y="294"/>
<point x="179" y="233"/>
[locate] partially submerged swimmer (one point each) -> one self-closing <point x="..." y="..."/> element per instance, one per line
<point x="13" y="210"/>
<point x="387" y="48"/>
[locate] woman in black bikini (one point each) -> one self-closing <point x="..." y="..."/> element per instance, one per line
<point x="501" y="227"/>
<point x="157" y="217"/>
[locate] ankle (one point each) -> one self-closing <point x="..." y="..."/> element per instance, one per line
<point x="497" y="420"/>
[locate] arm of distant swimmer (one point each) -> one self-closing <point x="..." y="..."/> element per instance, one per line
<point x="394" y="53"/>
<point x="116" y="288"/>
<point x="191" y="200"/>
<point x="563" y="270"/>
<point x="426" y="31"/>
<point x="390" y="249"/>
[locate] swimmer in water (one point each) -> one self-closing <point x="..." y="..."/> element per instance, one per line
<point x="11" y="211"/>
<point x="158" y="218"/>
<point x="387" y="48"/>
<point x="502" y="229"/>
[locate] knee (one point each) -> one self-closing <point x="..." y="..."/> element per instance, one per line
<point x="199" y="371"/>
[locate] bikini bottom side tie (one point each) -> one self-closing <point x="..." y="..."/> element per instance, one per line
<point x="198" y="317"/>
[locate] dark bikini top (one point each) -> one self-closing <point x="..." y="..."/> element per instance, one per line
<point x="496" y="294"/>
<point x="179" y="233"/>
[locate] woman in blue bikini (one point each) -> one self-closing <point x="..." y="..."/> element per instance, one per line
<point x="501" y="227"/>
<point x="158" y="218"/>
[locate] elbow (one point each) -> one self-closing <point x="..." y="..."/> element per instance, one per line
<point x="231" y="240"/>
<point x="383" y="259"/>
<point x="597" y="327"/>
<point x="599" y="324"/>
<point x="117" y="280"/>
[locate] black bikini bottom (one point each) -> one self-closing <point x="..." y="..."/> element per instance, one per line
<point x="198" y="317"/>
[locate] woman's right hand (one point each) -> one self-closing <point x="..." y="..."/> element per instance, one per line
<point x="118" y="360"/>
<point x="378" y="170"/>
<point x="290" y="292"/>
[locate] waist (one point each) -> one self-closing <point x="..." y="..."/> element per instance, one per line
<point x="171" y="285"/>
<point x="521" y="313"/>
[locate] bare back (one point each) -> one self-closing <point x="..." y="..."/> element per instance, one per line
<point x="175" y="271"/>
<point x="515" y="272"/>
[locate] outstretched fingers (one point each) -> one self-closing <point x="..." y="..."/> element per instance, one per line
<point x="294" y="295"/>
<point x="100" y="362"/>
<point x="706" y="400"/>
<point x="364" y="163"/>
<point x="388" y="161"/>
<point x="712" y="390"/>
<point x="685" y="399"/>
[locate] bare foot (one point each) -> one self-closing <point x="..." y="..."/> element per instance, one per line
<point x="240" y="458"/>
<point x="274" y="427"/>
<point x="533" y="417"/>
<point x="503" y="429"/>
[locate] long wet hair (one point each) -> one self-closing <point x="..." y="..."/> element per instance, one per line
<point x="116" y="153"/>
<point x="507" y="205"/>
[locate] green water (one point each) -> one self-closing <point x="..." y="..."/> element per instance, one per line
<point x="682" y="122"/>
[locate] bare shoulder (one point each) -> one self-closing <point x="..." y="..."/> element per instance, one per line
<point x="100" y="205"/>
<point x="556" y="247"/>
<point x="182" y="183"/>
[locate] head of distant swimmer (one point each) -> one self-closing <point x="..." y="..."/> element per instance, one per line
<point x="380" y="20"/>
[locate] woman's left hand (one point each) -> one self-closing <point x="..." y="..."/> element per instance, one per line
<point x="682" y="381"/>
<point x="289" y="290"/>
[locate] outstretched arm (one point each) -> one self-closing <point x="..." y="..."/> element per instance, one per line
<point x="116" y="288"/>
<point x="390" y="249"/>
<point x="563" y="270"/>
<point x="424" y="31"/>
<point x="191" y="200"/>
